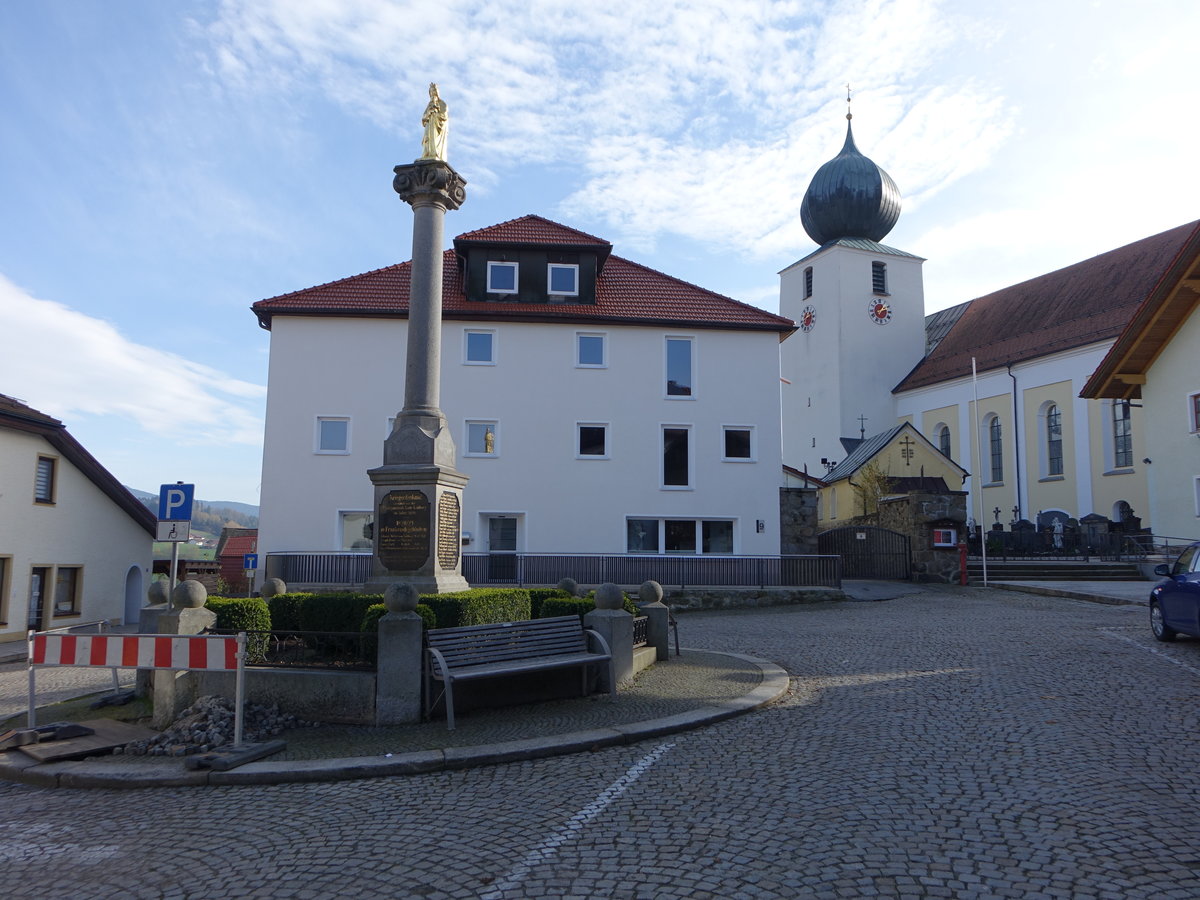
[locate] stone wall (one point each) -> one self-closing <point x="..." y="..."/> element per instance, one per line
<point x="797" y="521"/>
<point x="916" y="515"/>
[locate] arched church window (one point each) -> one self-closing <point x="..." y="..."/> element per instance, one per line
<point x="941" y="436"/>
<point x="996" y="445"/>
<point x="1054" y="452"/>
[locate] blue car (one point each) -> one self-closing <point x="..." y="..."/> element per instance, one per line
<point x="1175" y="602"/>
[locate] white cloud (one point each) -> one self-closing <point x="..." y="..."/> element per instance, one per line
<point x="65" y="363"/>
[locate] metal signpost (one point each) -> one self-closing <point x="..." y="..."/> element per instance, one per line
<point x="249" y="564"/>
<point x="175" y="519"/>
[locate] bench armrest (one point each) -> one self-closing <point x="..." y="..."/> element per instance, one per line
<point x="435" y="656"/>
<point x="603" y="643"/>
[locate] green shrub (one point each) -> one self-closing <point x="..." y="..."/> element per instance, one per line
<point x="538" y="596"/>
<point x="566" y="606"/>
<point x="479" y="606"/>
<point x="374" y="613"/>
<point x="285" y="611"/>
<point x="335" y="611"/>
<point x="243" y="614"/>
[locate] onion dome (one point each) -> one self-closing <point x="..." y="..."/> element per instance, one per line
<point x="850" y="197"/>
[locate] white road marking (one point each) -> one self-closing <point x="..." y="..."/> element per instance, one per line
<point x="1154" y="650"/>
<point x="545" y="851"/>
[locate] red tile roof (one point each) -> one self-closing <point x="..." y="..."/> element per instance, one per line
<point x="1086" y="303"/>
<point x="626" y="292"/>
<point x="531" y="230"/>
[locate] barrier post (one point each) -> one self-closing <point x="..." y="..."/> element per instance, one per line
<point x="32" y="718"/>
<point x="239" y="689"/>
<point x="962" y="563"/>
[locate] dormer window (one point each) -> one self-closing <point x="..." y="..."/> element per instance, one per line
<point x="501" y="277"/>
<point x="562" y="280"/>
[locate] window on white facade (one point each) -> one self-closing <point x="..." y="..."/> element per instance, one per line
<point x="808" y="281"/>
<point x="738" y="443"/>
<point x="641" y="535"/>
<point x="1122" y="435"/>
<point x="66" y="590"/>
<point x="479" y="348"/>
<point x="703" y="536"/>
<point x="44" y="481"/>
<point x="941" y="437"/>
<point x="879" y="277"/>
<point x="562" y="280"/>
<point x="1194" y="412"/>
<point x="592" y="441"/>
<point x="676" y="457"/>
<point x="355" y="530"/>
<point x="589" y="351"/>
<point x="1054" y="446"/>
<point x="483" y="438"/>
<point x="996" y="448"/>
<point x="333" y="434"/>
<point x="5" y="567"/>
<point x="679" y="367"/>
<point x="501" y="277"/>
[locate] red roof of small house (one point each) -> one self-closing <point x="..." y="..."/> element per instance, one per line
<point x="1089" y="302"/>
<point x="18" y="416"/>
<point x="626" y="292"/>
<point x="232" y="547"/>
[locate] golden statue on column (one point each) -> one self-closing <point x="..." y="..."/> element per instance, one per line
<point x="436" y="121"/>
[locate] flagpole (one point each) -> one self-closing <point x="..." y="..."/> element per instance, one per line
<point x="978" y="482"/>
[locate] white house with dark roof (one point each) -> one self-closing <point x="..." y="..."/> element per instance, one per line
<point x="75" y="546"/>
<point x="598" y="406"/>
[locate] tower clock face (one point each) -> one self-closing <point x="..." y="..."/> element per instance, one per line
<point x="808" y="318"/>
<point x="879" y="310"/>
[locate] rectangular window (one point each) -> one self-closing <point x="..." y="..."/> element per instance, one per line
<point x="996" y="446"/>
<point x="879" y="277"/>
<point x="680" y="536"/>
<point x="1122" y="435"/>
<point x="1054" y="451"/>
<point x="592" y="441"/>
<point x="562" y="280"/>
<point x="479" y="348"/>
<point x="738" y="445"/>
<point x="717" y="536"/>
<point x="5" y="566"/>
<point x="676" y="458"/>
<point x="1194" y="412"/>
<point x="483" y="438"/>
<point x="66" y="590"/>
<point x="679" y="367"/>
<point x="43" y="488"/>
<point x="808" y="282"/>
<point x="333" y="434"/>
<point x="641" y="535"/>
<point x="589" y="351"/>
<point x="356" y="531"/>
<point x="501" y="277"/>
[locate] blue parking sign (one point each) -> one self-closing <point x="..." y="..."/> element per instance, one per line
<point x="175" y="502"/>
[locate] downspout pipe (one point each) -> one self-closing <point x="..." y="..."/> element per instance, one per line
<point x="1016" y="437"/>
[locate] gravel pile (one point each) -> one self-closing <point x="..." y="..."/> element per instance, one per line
<point x="208" y="724"/>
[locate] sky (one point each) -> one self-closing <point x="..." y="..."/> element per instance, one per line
<point x="165" y="165"/>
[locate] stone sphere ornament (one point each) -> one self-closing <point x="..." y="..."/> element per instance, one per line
<point x="401" y="598"/>
<point x="570" y="585"/>
<point x="189" y="595"/>
<point x="272" y="587"/>
<point x="609" y="596"/>
<point x="650" y="592"/>
<point x="159" y="592"/>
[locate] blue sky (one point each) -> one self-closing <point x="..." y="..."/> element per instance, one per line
<point x="165" y="165"/>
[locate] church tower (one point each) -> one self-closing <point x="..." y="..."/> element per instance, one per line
<point x="860" y="310"/>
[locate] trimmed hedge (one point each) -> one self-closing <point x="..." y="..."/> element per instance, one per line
<point x="538" y="596"/>
<point x="566" y="606"/>
<point x="335" y="611"/>
<point x="370" y="621"/>
<point x="285" y="611"/>
<point x="243" y="614"/>
<point x="479" y="606"/>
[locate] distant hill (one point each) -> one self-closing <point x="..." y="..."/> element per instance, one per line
<point x="209" y="515"/>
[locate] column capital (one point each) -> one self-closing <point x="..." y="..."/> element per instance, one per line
<point x="430" y="182"/>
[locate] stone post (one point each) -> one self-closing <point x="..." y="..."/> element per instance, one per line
<point x="172" y="691"/>
<point x="657" y="618"/>
<point x="398" y="675"/>
<point x="418" y="490"/>
<point x="615" y="625"/>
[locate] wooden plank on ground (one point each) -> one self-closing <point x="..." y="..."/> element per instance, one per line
<point x="108" y="733"/>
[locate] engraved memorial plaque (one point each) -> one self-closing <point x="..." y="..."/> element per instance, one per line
<point x="448" y="538"/>
<point x="402" y="532"/>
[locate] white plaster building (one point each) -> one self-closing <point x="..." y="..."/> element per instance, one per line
<point x="597" y="406"/>
<point x="75" y="546"/>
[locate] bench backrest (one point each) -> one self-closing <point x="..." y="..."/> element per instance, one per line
<point x="474" y="644"/>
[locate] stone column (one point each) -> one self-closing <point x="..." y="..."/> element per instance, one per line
<point x="658" y="619"/>
<point x="615" y="625"/>
<point x="418" y="490"/>
<point x="398" y="678"/>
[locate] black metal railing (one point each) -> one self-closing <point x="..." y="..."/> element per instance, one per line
<point x="527" y="569"/>
<point x="342" y="650"/>
<point x="641" y="631"/>
<point x="1078" y="545"/>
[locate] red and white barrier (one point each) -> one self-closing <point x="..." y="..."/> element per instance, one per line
<point x="140" y="651"/>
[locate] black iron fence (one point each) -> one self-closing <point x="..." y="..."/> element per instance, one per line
<point x="527" y="569"/>
<point x="641" y="631"/>
<point x="1075" y="545"/>
<point x="344" y="650"/>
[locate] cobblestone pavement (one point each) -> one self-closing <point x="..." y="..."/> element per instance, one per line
<point x="52" y="685"/>
<point x="948" y="743"/>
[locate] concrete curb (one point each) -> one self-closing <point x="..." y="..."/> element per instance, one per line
<point x="17" y="767"/>
<point x="1068" y="594"/>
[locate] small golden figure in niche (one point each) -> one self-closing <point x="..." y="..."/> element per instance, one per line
<point x="489" y="441"/>
<point x="436" y="120"/>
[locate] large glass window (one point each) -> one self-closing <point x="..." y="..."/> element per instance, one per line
<point x="43" y="487"/>
<point x="642" y="535"/>
<point x="676" y="457"/>
<point x="501" y="277"/>
<point x="717" y="536"/>
<point x="1054" y="452"/>
<point x="679" y="367"/>
<point x="356" y="529"/>
<point x="480" y="348"/>
<point x="333" y="434"/>
<point x="996" y="444"/>
<point x="589" y="351"/>
<point x="562" y="280"/>
<point x="679" y="536"/>
<point x="1122" y="435"/>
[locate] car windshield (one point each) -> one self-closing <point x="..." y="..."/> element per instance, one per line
<point x="1184" y="563"/>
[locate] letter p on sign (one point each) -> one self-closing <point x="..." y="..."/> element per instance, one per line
<point x="175" y="502"/>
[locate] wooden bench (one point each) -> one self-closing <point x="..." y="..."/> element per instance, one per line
<point x="509" y="648"/>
